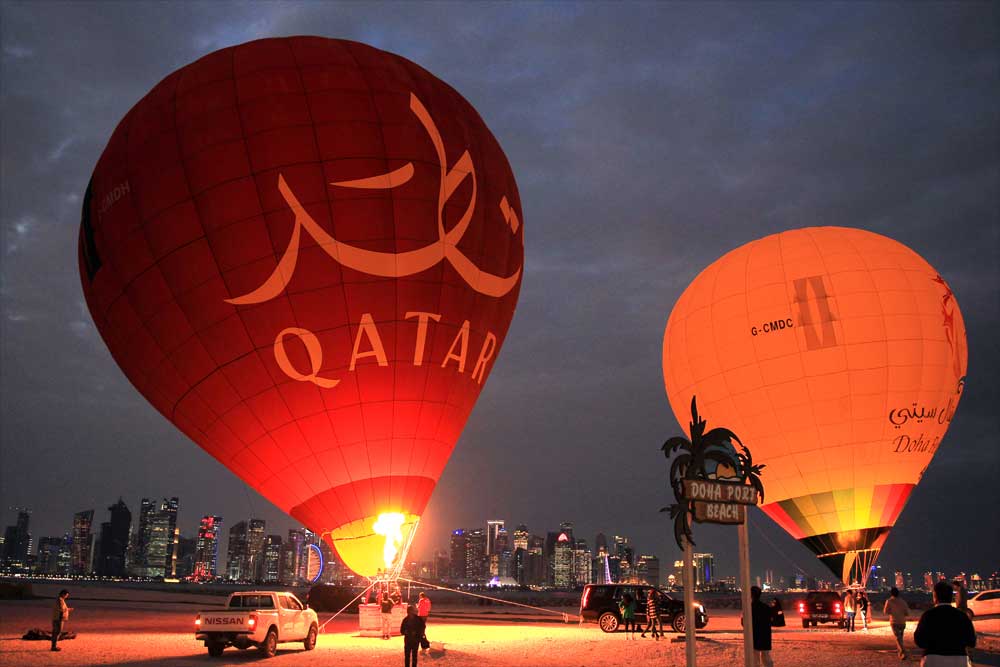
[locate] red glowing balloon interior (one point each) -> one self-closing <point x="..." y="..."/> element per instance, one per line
<point x="306" y="253"/>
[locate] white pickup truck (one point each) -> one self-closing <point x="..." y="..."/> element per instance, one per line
<point x="257" y="618"/>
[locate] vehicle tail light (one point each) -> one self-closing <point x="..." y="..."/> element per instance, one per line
<point x="197" y="621"/>
<point x="836" y="606"/>
<point x="252" y="622"/>
<point x="586" y="596"/>
<point x="802" y="607"/>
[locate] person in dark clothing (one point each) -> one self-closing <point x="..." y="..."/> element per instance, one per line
<point x="760" y="615"/>
<point x="412" y="629"/>
<point x="60" y="614"/>
<point x="945" y="633"/>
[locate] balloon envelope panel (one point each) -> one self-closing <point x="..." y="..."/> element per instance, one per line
<point x="306" y="253"/>
<point x="838" y="356"/>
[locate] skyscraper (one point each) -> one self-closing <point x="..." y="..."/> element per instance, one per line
<point x="704" y="570"/>
<point x="113" y="547"/>
<point x="562" y="561"/>
<point x="17" y="541"/>
<point x="493" y="527"/>
<point x="521" y="535"/>
<point x="82" y="546"/>
<point x="154" y="543"/>
<point x="49" y="551"/>
<point x="207" y="550"/>
<point x="271" y="568"/>
<point x="238" y="553"/>
<point x="647" y="570"/>
<point x="459" y="545"/>
<point x="475" y="555"/>
<point x="255" y="549"/>
<point x="583" y="560"/>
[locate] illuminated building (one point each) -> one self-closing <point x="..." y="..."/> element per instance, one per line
<point x="601" y="544"/>
<point x="475" y="555"/>
<point x="459" y="544"/>
<point x="155" y="539"/>
<point x="562" y="561"/>
<point x="185" y="551"/>
<point x="291" y="556"/>
<point x="238" y="554"/>
<point x="49" y="551"/>
<point x="255" y="547"/>
<point x="493" y="528"/>
<point x="626" y="559"/>
<point x="206" y="557"/>
<point x="899" y="581"/>
<point x="113" y="548"/>
<point x="82" y="547"/>
<point x="929" y="581"/>
<point x="271" y="569"/>
<point x="704" y="570"/>
<point x="583" y="560"/>
<point x="647" y="569"/>
<point x="521" y="535"/>
<point x="17" y="541"/>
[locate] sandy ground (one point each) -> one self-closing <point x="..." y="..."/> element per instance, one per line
<point x="148" y="634"/>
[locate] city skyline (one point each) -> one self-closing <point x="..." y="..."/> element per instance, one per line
<point x="645" y="143"/>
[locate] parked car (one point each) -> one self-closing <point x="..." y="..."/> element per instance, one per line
<point x="821" y="607"/>
<point x="985" y="603"/>
<point x="599" y="604"/>
<point x="257" y="618"/>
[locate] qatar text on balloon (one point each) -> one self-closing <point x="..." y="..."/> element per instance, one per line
<point x="390" y="265"/>
<point x="458" y="351"/>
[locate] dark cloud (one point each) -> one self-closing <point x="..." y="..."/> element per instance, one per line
<point x="648" y="139"/>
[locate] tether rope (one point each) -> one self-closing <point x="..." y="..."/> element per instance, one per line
<point x="564" y="615"/>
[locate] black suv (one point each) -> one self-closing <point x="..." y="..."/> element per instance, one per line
<point x="600" y="603"/>
<point x="821" y="607"/>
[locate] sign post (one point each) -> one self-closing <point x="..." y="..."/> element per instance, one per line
<point x="689" y="622"/>
<point x="703" y="497"/>
<point x="748" y="657"/>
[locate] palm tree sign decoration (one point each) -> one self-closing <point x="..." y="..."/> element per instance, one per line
<point x="716" y="445"/>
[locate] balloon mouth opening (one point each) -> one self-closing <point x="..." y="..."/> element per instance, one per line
<point x="376" y="546"/>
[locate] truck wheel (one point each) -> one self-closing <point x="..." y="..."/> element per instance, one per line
<point x="608" y="622"/>
<point x="310" y="640"/>
<point x="215" y="649"/>
<point x="270" y="644"/>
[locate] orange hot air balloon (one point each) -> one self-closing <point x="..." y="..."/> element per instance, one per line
<point x="839" y="357"/>
<point x="306" y="253"/>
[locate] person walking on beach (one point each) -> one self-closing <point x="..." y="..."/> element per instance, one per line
<point x="850" y="610"/>
<point x="60" y="614"/>
<point x="760" y="619"/>
<point x="424" y="611"/>
<point x="412" y="629"/>
<point x="627" y="609"/>
<point x="652" y="615"/>
<point x="945" y="633"/>
<point x="897" y="610"/>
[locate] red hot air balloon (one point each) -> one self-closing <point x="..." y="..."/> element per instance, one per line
<point x="306" y="253"/>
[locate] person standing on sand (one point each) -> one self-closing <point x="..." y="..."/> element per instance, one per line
<point x="946" y="634"/>
<point x="863" y="607"/>
<point x="386" y="604"/>
<point x="412" y="629"/>
<point x="424" y="611"/>
<point x="627" y="609"/>
<point x="760" y="619"/>
<point x="897" y="610"/>
<point x="850" y="610"/>
<point x="60" y="614"/>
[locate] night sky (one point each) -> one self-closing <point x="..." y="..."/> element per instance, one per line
<point x="647" y="140"/>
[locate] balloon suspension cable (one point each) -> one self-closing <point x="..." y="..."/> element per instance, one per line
<point x="358" y="597"/>
<point x="760" y="531"/>
<point x="565" y="616"/>
<point x="397" y="567"/>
